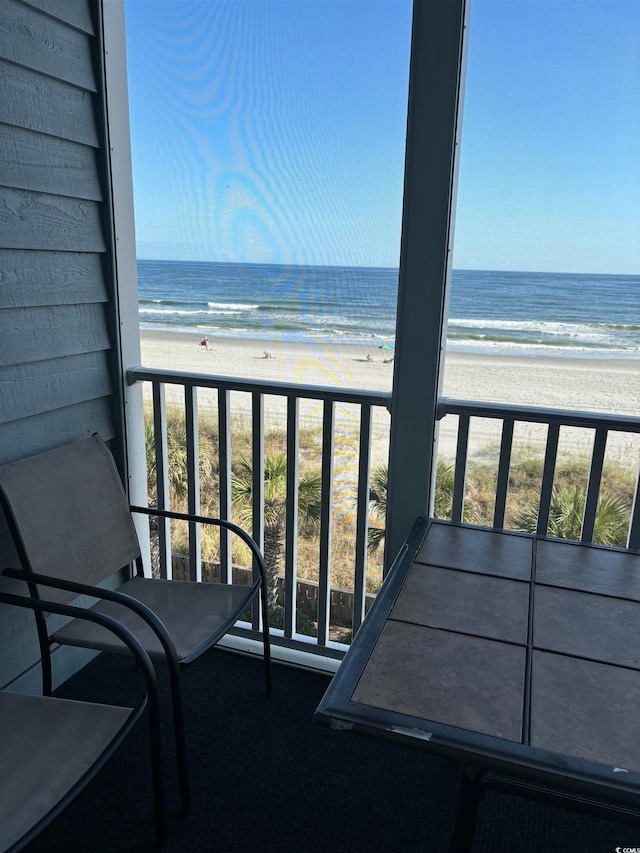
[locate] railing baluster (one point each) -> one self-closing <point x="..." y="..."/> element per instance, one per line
<point x="193" y="480"/>
<point x="593" y="489"/>
<point x="362" y="526"/>
<point x="324" y="568"/>
<point x="502" y="484"/>
<point x="457" y="509"/>
<point x="224" y="474"/>
<point x="548" y="475"/>
<point x="257" y="489"/>
<point x="291" y="538"/>
<point x="162" y="477"/>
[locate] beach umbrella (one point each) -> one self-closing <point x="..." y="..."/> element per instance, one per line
<point x="385" y="346"/>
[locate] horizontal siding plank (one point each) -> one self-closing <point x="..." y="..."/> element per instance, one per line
<point x="36" y="102"/>
<point x="77" y="14"/>
<point x="53" y="429"/>
<point x="31" y="220"/>
<point x="42" y="386"/>
<point x="50" y="278"/>
<point x="33" y="161"/>
<point x="37" y="334"/>
<point x="43" y="44"/>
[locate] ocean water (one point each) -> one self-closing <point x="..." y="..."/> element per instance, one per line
<point x="510" y="313"/>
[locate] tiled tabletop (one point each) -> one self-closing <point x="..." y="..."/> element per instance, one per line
<point x="506" y="642"/>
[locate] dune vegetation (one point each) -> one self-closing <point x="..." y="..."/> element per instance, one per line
<point x="612" y="520"/>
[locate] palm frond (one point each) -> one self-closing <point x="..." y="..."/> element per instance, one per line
<point x="566" y="514"/>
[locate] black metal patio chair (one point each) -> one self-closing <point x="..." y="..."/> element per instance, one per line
<point x="51" y="748"/>
<point x="72" y="525"/>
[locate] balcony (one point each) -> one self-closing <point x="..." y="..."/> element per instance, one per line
<point x="264" y="777"/>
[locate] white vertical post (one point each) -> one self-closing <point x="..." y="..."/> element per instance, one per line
<point x="118" y="155"/>
<point x="291" y="536"/>
<point x="435" y="87"/>
<point x="193" y="480"/>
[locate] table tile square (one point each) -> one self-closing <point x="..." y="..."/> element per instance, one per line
<point x="475" y="550"/>
<point x="586" y="710"/>
<point x="587" y="625"/>
<point x="491" y="607"/>
<point x="580" y="566"/>
<point x="440" y="676"/>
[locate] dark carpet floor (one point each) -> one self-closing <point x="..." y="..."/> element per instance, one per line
<point x="266" y="779"/>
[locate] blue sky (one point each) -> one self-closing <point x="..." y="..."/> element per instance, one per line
<point x="273" y="131"/>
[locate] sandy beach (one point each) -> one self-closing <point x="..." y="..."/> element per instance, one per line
<point x="307" y="364"/>
<point x="611" y="386"/>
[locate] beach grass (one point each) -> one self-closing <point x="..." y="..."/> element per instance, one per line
<point x="310" y="453"/>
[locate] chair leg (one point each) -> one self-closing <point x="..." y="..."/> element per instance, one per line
<point x="47" y="675"/>
<point x="469" y="796"/>
<point x="155" y="736"/>
<point x="266" y="641"/>
<point x="179" y="735"/>
<point x="45" y="648"/>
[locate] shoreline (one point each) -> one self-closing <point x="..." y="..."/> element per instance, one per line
<point x="592" y="385"/>
<point x="549" y="381"/>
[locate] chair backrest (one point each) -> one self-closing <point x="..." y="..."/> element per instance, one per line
<point x="69" y="514"/>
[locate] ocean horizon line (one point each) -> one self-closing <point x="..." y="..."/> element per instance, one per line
<point x="461" y="269"/>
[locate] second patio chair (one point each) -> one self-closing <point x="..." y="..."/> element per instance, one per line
<point x="72" y="526"/>
<point x="51" y="748"/>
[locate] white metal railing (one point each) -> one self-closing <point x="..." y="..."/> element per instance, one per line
<point x="600" y="425"/>
<point x="187" y="386"/>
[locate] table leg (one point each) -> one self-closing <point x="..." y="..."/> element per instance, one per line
<point x="469" y="795"/>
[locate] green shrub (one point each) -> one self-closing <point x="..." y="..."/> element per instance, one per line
<point x="304" y="625"/>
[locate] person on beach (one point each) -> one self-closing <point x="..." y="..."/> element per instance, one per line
<point x="268" y="354"/>
<point x="369" y="357"/>
<point x="204" y="343"/>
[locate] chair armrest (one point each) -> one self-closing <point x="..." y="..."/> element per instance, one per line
<point x="39" y="605"/>
<point x="218" y="522"/>
<point x="144" y="612"/>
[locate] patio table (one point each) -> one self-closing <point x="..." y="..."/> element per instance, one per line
<point x="517" y="655"/>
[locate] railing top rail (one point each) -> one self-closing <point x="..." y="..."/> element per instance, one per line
<point x="312" y="392"/>
<point x="534" y="414"/>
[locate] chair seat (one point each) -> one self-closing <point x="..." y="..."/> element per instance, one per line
<point x="194" y="614"/>
<point x="47" y="746"/>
